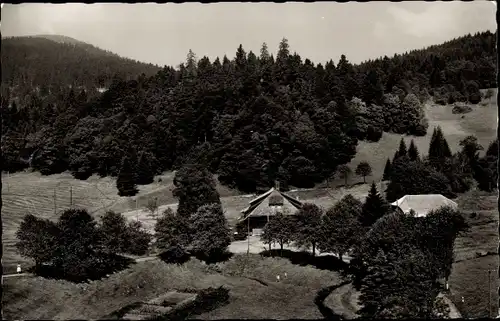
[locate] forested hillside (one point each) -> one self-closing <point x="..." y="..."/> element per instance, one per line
<point x="52" y="63"/>
<point x="253" y="119"/>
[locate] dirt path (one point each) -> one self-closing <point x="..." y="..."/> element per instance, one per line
<point x="343" y="301"/>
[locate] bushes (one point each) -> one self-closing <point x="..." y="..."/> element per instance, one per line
<point x="76" y="247"/>
<point x="461" y="108"/>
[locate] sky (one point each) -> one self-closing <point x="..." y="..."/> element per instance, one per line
<point x="163" y="33"/>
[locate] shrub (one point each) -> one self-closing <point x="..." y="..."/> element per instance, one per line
<point x="461" y="108"/>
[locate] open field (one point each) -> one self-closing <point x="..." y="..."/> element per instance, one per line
<point x="30" y="298"/>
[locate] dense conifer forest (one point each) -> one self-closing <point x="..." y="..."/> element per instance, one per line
<point x="252" y="119"/>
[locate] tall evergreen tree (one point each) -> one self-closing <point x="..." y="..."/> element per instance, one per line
<point x="402" y="150"/>
<point x="387" y="170"/>
<point x="374" y="207"/>
<point x="126" y="180"/>
<point x="413" y="153"/>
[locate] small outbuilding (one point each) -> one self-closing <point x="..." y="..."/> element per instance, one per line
<point x="423" y="204"/>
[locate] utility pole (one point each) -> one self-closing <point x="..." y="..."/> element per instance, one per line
<point x="489" y="293"/>
<point x="55" y="203"/>
<point x="248" y="235"/>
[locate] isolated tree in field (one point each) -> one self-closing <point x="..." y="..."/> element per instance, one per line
<point x="125" y="181"/>
<point x="307" y="228"/>
<point x="413" y="153"/>
<point x="172" y="233"/>
<point x="194" y="187"/>
<point x="210" y="232"/>
<point x="37" y="239"/>
<point x="137" y="239"/>
<point x="80" y="244"/>
<point x="114" y="231"/>
<point x="387" y="170"/>
<point x="152" y="206"/>
<point x="279" y="229"/>
<point x="344" y="172"/>
<point x="374" y="207"/>
<point x="363" y="169"/>
<point x="340" y="226"/>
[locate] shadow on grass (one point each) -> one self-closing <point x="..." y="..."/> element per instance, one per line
<point x="320" y="301"/>
<point x="326" y="262"/>
<point x="101" y="267"/>
<point x="179" y="256"/>
<point x="213" y="258"/>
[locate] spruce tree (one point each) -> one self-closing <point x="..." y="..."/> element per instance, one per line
<point x="413" y="153"/>
<point x="402" y="150"/>
<point x="387" y="170"/>
<point x="126" y="180"/>
<point x="443" y="144"/>
<point x="433" y="145"/>
<point x="375" y="207"/>
<point x="145" y="168"/>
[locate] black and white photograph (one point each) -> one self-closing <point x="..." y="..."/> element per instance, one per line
<point x="249" y="160"/>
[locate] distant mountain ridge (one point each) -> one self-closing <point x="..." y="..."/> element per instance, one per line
<point x="50" y="62"/>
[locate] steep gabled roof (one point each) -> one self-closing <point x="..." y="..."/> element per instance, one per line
<point x="423" y="204"/>
<point x="260" y="205"/>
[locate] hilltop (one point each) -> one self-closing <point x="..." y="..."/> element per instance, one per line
<point x="52" y="62"/>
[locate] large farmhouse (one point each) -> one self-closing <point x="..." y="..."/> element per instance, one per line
<point x="422" y="204"/>
<point x="257" y="214"/>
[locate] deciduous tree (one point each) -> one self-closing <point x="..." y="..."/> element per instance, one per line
<point x="363" y="169"/>
<point x="340" y="226"/>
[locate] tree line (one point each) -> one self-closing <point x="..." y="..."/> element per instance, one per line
<point x="441" y="171"/>
<point x="251" y="120"/>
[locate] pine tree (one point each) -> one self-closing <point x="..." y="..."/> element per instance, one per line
<point x="413" y="153"/>
<point x="387" y="170"/>
<point x="146" y="168"/>
<point x="126" y="180"/>
<point x="375" y="207"/>
<point x="402" y="150"/>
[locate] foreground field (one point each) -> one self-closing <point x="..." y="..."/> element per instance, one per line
<point x="254" y="293"/>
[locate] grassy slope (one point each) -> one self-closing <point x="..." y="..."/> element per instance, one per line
<point x="31" y="298"/>
<point x="469" y="279"/>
